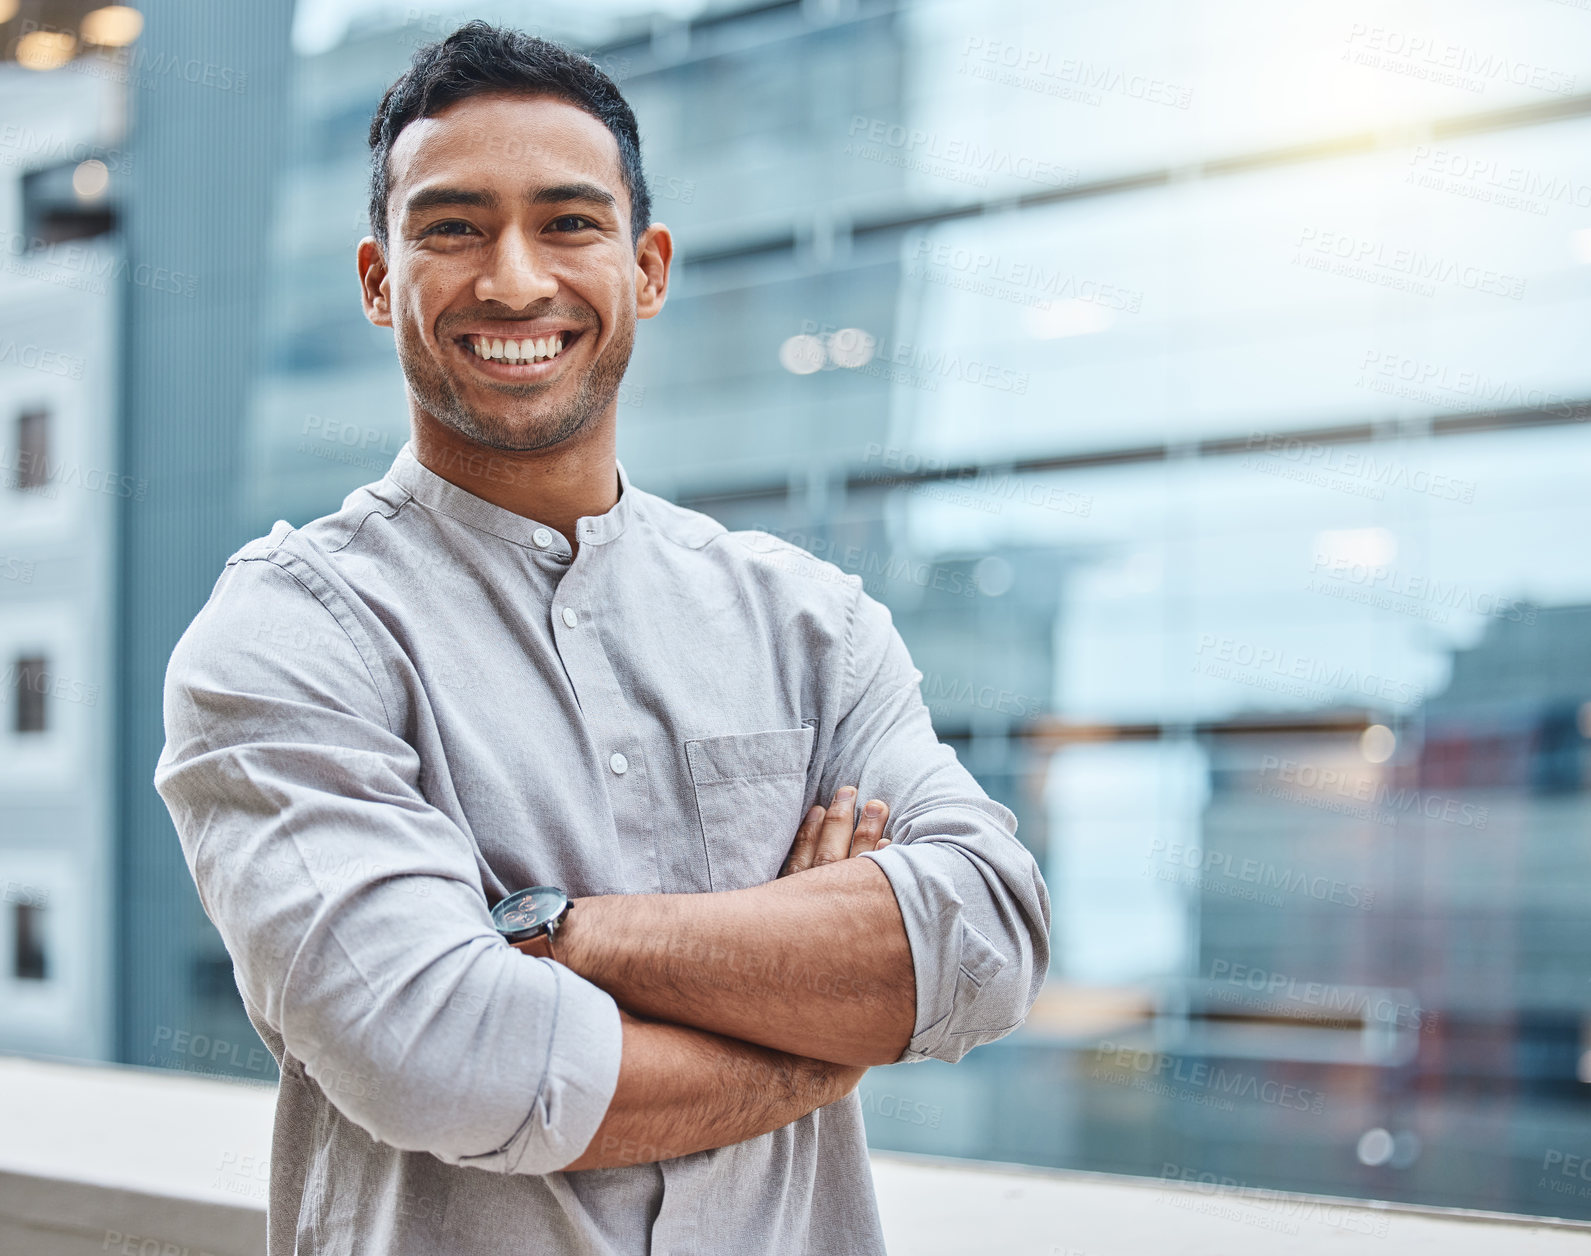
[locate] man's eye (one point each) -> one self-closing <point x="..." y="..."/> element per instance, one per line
<point x="451" y="222"/>
<point x="575" y="218"/>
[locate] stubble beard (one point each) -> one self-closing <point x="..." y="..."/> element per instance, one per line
<point x="439" y="395"/>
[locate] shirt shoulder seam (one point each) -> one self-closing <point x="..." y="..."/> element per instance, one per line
<point x="850" y="640"/>
<point x="374" y="510"/>
<point x="651" y="520"/>
<point x="282" y="566"/>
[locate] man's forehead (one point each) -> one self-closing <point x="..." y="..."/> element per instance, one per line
<point x="541" y="135"/>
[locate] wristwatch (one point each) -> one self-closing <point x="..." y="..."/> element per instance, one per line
<point x="535" y="912"/>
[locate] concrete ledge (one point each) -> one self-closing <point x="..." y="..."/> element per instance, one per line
<point x="42" y="1216"/>
<point x="145" y="1162"/>
<point x="935" y="1207"/>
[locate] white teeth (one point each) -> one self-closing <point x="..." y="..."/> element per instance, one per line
<point x="526" y="350"/>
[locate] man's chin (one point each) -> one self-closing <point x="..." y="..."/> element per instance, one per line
<point x="511" y="433"/>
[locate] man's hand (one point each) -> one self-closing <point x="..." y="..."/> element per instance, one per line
<point x="826" y="837"/>
<point x="746" y="964"/>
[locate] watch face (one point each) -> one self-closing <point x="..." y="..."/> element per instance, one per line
<point x="527" y="910"/>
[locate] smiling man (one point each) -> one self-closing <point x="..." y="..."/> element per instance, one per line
<point x="503" y="666"/>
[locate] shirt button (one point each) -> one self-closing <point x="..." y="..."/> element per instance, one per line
<point x="569" y="616"/>
<point x="619" y="764"/>
<point x="542" y="537"/>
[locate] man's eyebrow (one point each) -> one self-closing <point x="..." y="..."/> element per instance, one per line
<point x="483" y="198"/>
<point x="575" y="192"/>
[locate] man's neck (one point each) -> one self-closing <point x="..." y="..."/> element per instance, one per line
<point x="557" y="487"/>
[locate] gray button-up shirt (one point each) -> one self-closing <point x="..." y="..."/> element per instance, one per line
<point x="384" y="721"/>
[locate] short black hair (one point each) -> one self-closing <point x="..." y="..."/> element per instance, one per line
<point x="479" y="58"/>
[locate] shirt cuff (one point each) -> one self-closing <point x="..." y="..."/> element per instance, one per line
<point x="579" y="1076"/>
<point x="952" y="960"/>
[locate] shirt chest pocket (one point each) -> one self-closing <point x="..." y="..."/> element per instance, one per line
<point x="750" y="795"/>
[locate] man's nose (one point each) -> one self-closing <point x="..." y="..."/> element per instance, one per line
<point x="516" y="273"/>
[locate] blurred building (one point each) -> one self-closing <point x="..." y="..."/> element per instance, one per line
<point x="63" y="275"/>
<point x="208" y="89"/>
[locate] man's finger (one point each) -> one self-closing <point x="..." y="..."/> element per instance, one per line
<point x="805" y="844"/>
<point x="870" y="828"/>
<point x="834" y="834"/>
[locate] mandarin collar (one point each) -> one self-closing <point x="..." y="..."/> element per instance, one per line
<point x="443" y="496"/>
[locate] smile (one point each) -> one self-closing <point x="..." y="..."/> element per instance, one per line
<point x="522" y="357"/>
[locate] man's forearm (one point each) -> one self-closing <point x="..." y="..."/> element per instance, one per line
<point x="816" y="964"/>
<point x="682" y="1090"/>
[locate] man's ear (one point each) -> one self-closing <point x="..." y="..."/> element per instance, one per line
<point x="653" y="254"/>
<point x="374" y="286"/>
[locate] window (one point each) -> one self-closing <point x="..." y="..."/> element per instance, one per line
<point x="55" y="209"/>
<point x="32" y="468"/>
<point x="32" y="682"/>
<point x="29" y="962"/>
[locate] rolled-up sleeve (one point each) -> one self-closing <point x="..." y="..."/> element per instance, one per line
<point x="351" y="907"/>
<point x="975" y="907"/>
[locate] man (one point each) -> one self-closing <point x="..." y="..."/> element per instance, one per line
<point x="503" y="665"/>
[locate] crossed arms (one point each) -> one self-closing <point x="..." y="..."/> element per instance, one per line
<point x="668" y="1023"/>
<point x="781" y="995"/>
